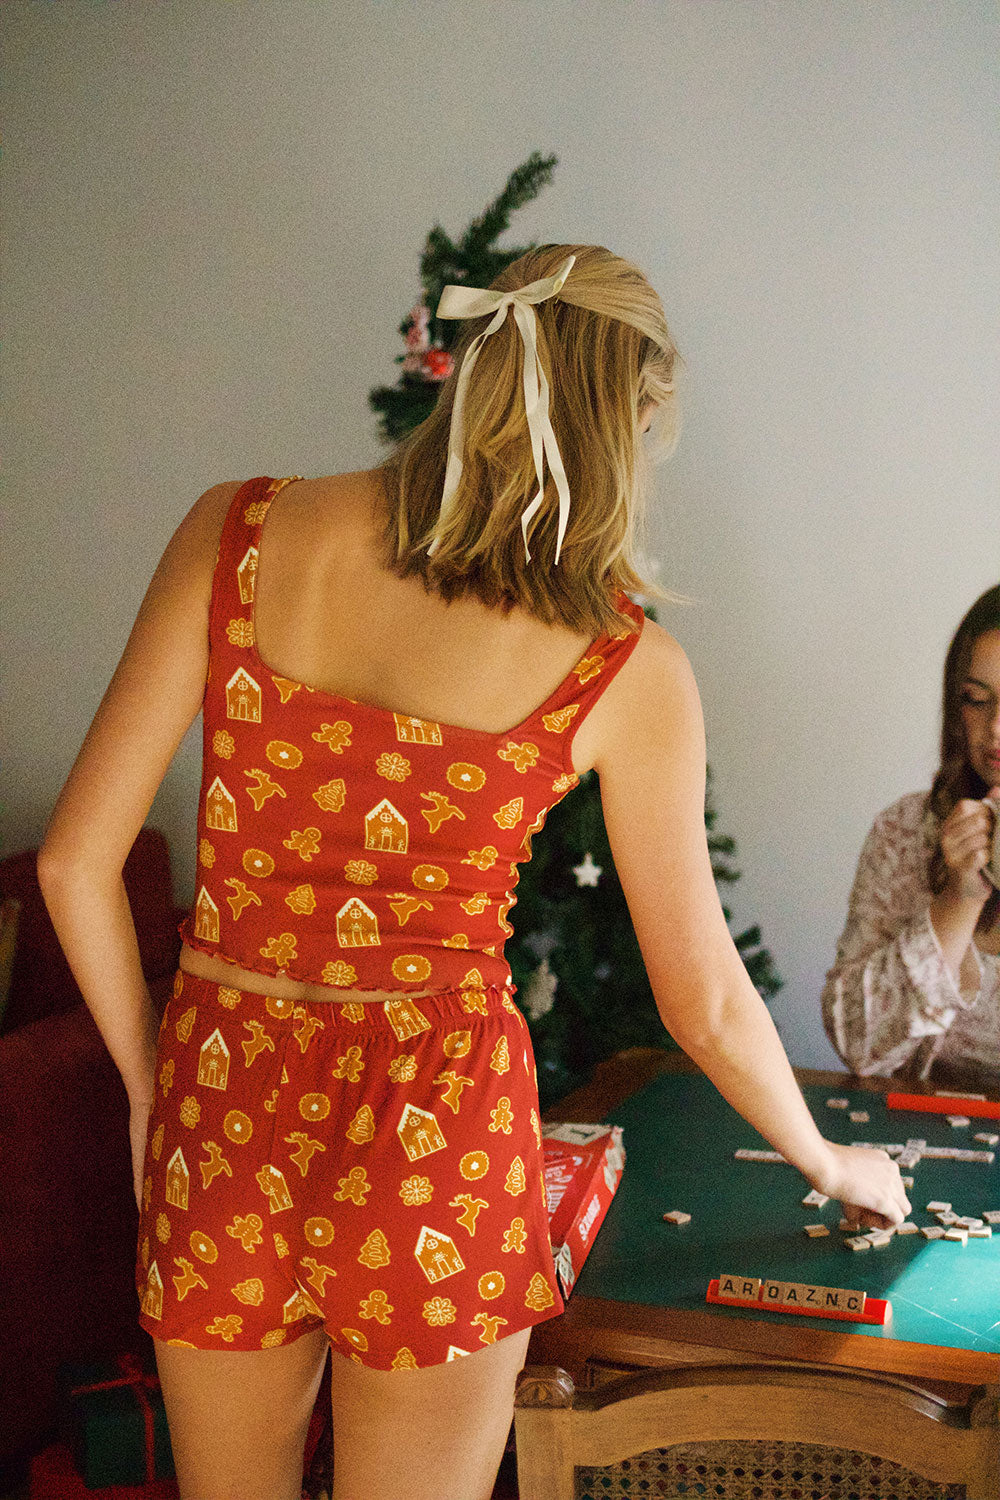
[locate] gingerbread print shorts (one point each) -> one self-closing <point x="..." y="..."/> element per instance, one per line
<point x="374" y="1169"/>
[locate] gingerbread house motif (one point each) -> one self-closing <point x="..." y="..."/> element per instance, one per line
<point x="178" y="1180"/>
<point x="246" y="574"/>
<point x="220" y="807"/>
<point x="386" y="829"/>
<point x="454" y="1352"/>
<point x="419" y="1132"/>
<point x="437" y="1255"/>
<point x="152" y="1297"/>
<point x="206" y="917"/>
<point x="299" y="1305"/>
<point x="272" y="1182"/>
<point x="243" y="697"/>
<point x="405" y="1018"/>
<point x="357" y="925"/>
<point x="417" y="731"/>
<point x="213" y="1061"/>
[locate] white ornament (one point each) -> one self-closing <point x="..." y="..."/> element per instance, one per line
<point x="588" y="873"/>
<point x="539" y="992"/>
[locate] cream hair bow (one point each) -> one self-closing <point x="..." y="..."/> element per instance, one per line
<point x="474" y="302"/>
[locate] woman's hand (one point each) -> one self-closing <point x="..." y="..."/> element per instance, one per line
<point x="868" y="1184"/>
<point x="966" y="838"/>
<point x="138" y="1120"/>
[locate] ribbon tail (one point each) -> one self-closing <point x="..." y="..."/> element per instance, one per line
<point x="456" y="436"/>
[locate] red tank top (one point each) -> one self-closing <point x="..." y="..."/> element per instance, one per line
<point x="353" y="846"/>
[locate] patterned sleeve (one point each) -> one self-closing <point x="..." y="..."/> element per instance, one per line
<point x="890" y="997"/>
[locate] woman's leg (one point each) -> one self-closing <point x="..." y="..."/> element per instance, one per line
<point x="238" y="1419"/>
<point x="432" y="1434"/>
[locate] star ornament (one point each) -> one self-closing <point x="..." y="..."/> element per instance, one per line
<point x="588" y="873"/>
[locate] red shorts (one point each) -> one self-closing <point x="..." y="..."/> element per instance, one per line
<point x="371" y="1169"/>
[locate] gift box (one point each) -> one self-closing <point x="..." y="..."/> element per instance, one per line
<point x="115" y="1424"/>
<point x="54" y="1476"/>
<point x="583" y="1166"/>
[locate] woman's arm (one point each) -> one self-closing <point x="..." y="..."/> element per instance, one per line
<point x="652" y="772"/>
<point x="894" y="989"/>
<point x="151" y="701"/>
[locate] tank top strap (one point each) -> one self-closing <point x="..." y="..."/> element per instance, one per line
<point x="236" y="559"/>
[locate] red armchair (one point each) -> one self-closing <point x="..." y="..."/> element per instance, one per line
<point x="68" y="1218"/>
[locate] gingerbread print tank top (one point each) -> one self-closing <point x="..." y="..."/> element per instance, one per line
<point x="350" y="845"/>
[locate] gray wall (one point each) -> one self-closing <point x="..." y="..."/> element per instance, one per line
<point x="212" y="217"/>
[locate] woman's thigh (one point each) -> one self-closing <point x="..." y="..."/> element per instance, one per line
<point x="437" y="1433"/>
<point x="238" y="1419"/>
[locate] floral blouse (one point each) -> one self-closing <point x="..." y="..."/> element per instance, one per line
<point x="890" y="1002"/>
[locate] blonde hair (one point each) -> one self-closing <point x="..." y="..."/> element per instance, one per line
<point x="607" y="353"/>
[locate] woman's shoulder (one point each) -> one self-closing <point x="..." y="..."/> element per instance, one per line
<point x="904" y="821"/>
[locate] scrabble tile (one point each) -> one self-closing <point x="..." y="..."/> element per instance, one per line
<point x="908" y="1182"/>
<point x="983" y="1232"/>
<point x="816" y="1199"/>
<point x="739" y="1288"/>
<point x="910" y="1157"/>
<point x="987" y="1138"/>
<point x="907" y="1228"/>
<point x="954" y="1233"/>
<point x="860" y="1243"/>
<point x="967" y="1222"/>
<point x="816" y="1231"/>
<point x="947" y="1218"/>
<point x="677" y="1216"/>
<point x="772" y="1292"/>
<point x="936" y="1206"/>
<point x="837" y="1103"/>
<point x="917" y="1142"/>
<point x="880" y="1239"/>
<point x="958" y="1121"/>
<point x="992" y="1215"/>
<point x="859" y="1116"/>
<point x="932" y="1231"/>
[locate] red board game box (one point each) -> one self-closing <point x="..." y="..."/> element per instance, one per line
<point x="583" y="1167"/>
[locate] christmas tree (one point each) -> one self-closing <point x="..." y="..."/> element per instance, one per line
<point x="574" y="955"/>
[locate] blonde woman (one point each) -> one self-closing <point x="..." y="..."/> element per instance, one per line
<point x="916" y="983"/>
<point x="335" y="1129"/>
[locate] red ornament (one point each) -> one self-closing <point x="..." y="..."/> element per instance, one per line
<point x="438" y="364"/>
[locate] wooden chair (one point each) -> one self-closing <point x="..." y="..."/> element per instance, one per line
<point x="559" y="1429"/>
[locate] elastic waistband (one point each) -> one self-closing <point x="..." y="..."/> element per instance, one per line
<point x="405" y="1017"/>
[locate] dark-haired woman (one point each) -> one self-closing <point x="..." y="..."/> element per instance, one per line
<point x="916" y="984"/>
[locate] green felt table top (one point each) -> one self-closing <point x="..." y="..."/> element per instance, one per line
<point x="747" y="1217"/>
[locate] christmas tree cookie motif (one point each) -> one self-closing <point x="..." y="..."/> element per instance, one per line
<point x="417" y="731"/>
<point x="386" y="829"/>
<point x="475" y="906"/>
<point x="440" y="810"/>
<point x="502" y="1118"/>
<point x="473" y="1001"/>
<point x="500" y="1057"/>
<point x="220" y="807"/>
<point x="185" y="1024"/>
<point x="243" y="697"/>
<point x="437" y="1255"/>
<point x="302" y="900"/>
<point x="419" y="1132"/>
<point x="374" y="1253"/>
<point x="331" y="795"/>
<point x="272" y="1182"/>
<point x="514" y="1237"/>
<point x="557" y="722"/>
<point x="471" y="1209"/>
<point x="516" y="1181"/>
<point x="453" y="1083"/>
<point x="357" y="925"/>
<point x="362" y="1128"/>
<point x="404" y="1360"/>
<point x="213" y="1061"/>
<point x="265" y="787"/>
<point x="511" y="813"/>
<point x="335" y="736"/>
<point x="250" y="1292"/>
<point x="539" y="1294"/>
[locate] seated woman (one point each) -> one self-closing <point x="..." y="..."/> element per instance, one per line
<point x="916" y="983"/>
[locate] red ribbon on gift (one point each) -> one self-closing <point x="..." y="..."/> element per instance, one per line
<point x="142" y="1383"/>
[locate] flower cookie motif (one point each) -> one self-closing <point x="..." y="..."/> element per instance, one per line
<point x="393" y="766"/>
<point x="223" y="744"/>
<point x="338" y="973"/>
<point x="440" y="1311"/>
<point x="361" y="871"/>
<point x="190" y="1112"/>
<point x="416" y="1191"/>
<point x="206" y="854"/>
<point x="522" y="757"/>
<point x="403" y="1069"/>
<point x="240" y="632"/>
